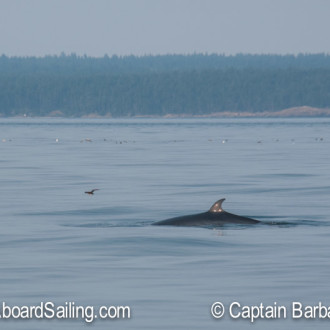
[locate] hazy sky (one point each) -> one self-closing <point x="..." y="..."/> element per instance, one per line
<point x="123" y="27"/>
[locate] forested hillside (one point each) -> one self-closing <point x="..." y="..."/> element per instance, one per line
<point x="160" y="85"/>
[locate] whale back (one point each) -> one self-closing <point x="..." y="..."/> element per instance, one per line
<point x="215" y="216"/>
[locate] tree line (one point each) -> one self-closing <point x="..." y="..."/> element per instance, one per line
<point x="160" y="85"/>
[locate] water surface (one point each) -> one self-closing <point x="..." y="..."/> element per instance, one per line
<point x="59" y="244"/>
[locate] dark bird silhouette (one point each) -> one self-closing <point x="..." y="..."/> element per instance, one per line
<point x="91" y="192"/>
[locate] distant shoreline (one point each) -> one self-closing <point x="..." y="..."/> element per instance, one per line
<point x="295" y="112"/>
<point x="303" y="111"/>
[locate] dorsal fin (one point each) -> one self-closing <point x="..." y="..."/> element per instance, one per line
<point x="216" y="207"/>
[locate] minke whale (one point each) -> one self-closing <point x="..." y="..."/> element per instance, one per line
<point x="215" y="216"/>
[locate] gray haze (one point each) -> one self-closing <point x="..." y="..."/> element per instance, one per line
<point x="139" y="27"/>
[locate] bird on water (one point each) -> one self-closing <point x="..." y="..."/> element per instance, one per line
<point x="91" y="192"/>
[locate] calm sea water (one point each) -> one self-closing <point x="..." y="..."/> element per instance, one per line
<point x="58" y="244"/>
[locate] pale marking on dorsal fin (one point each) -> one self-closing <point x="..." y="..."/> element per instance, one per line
<point x="216" y="207"/>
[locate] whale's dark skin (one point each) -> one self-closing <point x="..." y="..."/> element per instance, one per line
<point x="215" y="216"/>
